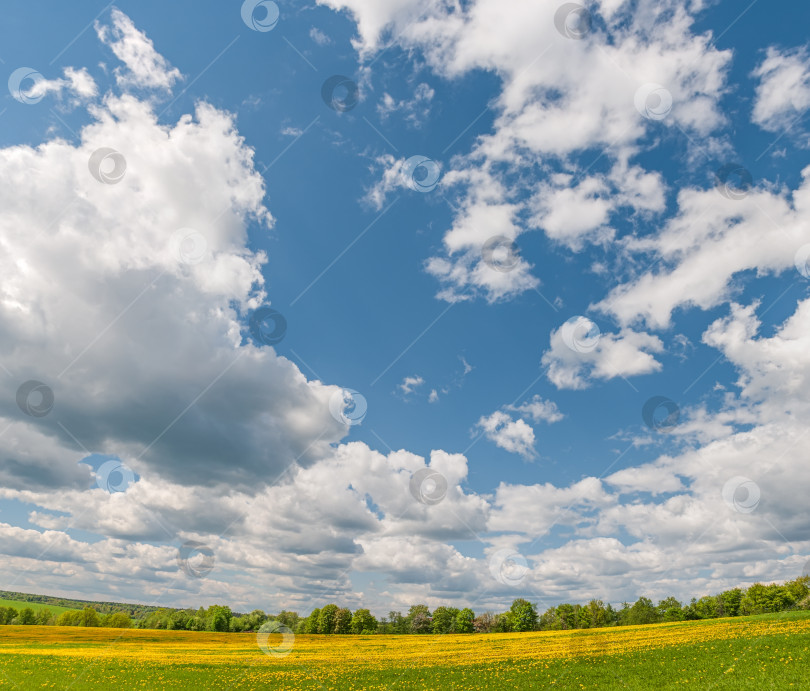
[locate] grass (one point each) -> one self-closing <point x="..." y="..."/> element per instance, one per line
<point x="36" y="606"/>
<point x="768" y="652"/>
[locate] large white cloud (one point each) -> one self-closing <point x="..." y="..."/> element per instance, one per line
<point x="126" y="299"/>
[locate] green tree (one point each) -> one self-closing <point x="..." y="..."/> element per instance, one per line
<point x="729" y="602"/>
<point x="669" y="609"/>
<point x="312" y="621"/>
<point x="522" y="615"/>
<point x="611" y="615"/>
<point x="44" y="617"/>
<point x="398" y="623"/>
<point x="464" y="620"/>
<point x="326" y="619"/>
<point x="706" y="607"/>
<point x="7" y="614"/>
<point x="779" y="598"/>
<point x="444" y="620"/>
<point x="89" y="617"/>
<point x="799" y="588"/>
<point x="503" y="623"/>
<point x="643" y="612"/>
<point x="69" y="618"/>
<point x="566" y="616"/>
<point x="118" y="620"/>
<point x="26" y="617"/>
<point x="363" y="622"/>
<point x="755" y="600"/>
<point x="218" y="618"/>
<point x="343" y="621"/>
<point x="285" y="618"/>
<point x="419" y="620"/>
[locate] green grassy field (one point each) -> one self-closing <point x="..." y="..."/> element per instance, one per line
<point x="752" y="653"/>
<point x="36" y="606"/>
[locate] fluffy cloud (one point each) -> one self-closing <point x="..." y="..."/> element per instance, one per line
<point x="783" y="92"/>
<point x="571" y="363"/>
<point x="516" y="435"/>
<point x="511" y="435"/>
<point x="572" y="211"/>
<point x="409" y="384"/>
<point x="144" y="66"/>
<point x="538" y="409"/>
<point x="712" y="238"/>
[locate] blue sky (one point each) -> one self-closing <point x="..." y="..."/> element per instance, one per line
<point x="636" y="275"/>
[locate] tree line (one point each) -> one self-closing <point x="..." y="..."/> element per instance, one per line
<point x="134" y="610"/>
<point x="521" y="616"/>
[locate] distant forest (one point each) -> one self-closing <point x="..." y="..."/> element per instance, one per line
<point x="333" y="619"/>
